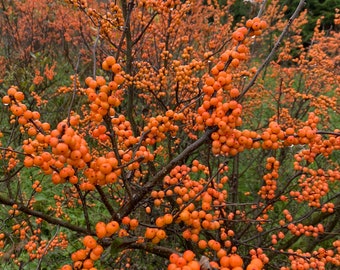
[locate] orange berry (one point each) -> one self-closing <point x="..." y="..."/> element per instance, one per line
<point x="172" y="266"/>
<point x="150" y="233"/>
<point x="66" y="267"/>
<point x="235" y="62"/>
<point x="110" y="60"/>
<point x="194" y="265"/>
<point x="105" y="66"/>
<point x="126" y="220"/>
<point x="11" y="91"/>
<point x="88" y="263"/>
<point x="101" y="229"/>
<point x="238" y="35"/>
<point x="257" y="262"/>
<point x="116" y="68"/>
<point x="160" y="222"/>
<point x="100" y="80"/>
<point x="98" y="250"/>
<point x="263" y="25"/>
<point x="224" y="261"/>
<point x="79" y="255"/>
<point x="252" y="267"/>
<point x="173" y="257"/>
<point x="134" y="223"/>
<point x="168" y="218"/>
<point x="181" y="262"/>
<point x="249" y="23"/>
<point x="188" y="255"/>
<point x="105" y="168"/>
<point x="234" y="93"/>
<point x="161" y="234"/>
<point x="119" y="79"/>
<point x="112" y="227"/>
<point x="6" y="100"/>
<point x="235" y="260"/>
<point x="209" y="81"/>
<point x="89" y="242"/>
<point x="202" y="244"/>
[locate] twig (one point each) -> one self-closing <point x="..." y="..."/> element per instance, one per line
<point x="94" y="53"/>
<point x="47" y="246"/>
<point x="158" y="250"/>
<point x="194" y="100"/>
<point x="14" y="151"/>
<point x="74" y="90"/>
<point x="144" y="30"/>
<point x="278" y="101"/>
<point x="323" y="132"/>
<point x="126" y="8"/>
<point x="262" y="8"/>
<point x="11" y="175"/>
<point x="84" y="206"/>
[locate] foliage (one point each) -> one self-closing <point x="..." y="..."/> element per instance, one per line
<point x="168" y="130"/>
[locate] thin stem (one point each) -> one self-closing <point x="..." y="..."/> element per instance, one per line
<point x="74" y="90"/>
<point x="47" y="246"/>
<point x="94" y="58"/>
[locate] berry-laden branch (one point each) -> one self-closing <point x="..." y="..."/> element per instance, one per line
<point x="129" y="206"/>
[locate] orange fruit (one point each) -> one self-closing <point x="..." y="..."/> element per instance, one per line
<point x="235" y="260"/>
<point x="188" y="255"/>
<point x="89" y="242"/>
<point x="101" y="229"/>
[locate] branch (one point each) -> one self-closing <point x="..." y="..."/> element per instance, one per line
<point x="144" y="30"/>
<point x="8" y="177"/>
<point x="273" y="51"/>
<point x="47" y="246"/>
<point x="45" y="217"/>
<point x="105" y="200"/>
<point x="158" y="250"/>
<point x="130" y="205"/>
<point x="322" y="132"/>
